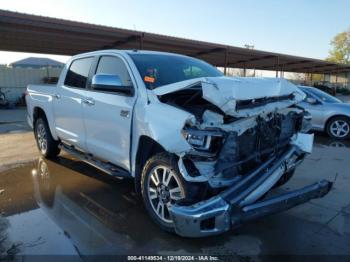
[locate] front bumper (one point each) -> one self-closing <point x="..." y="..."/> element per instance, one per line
<point x="240" y="203"/>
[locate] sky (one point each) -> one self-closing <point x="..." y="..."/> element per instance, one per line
<point x="296" y="27"/>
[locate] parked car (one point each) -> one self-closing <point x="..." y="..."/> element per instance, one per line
<point x="203" y="149"/>
<point x="329" y="114"/>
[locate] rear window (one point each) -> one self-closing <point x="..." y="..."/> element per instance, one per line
<point x="78" y="72"/>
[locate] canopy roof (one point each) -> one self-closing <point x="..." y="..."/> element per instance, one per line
<point x="36" y="62"/>
<point x="37" y="34"/>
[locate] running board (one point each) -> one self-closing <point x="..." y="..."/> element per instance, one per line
<point x="108" y="168"/>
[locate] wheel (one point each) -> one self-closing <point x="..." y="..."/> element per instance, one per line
<point x="339" y="127"/>
<point x="47" y="146"/>
<point x="161" y="186"/>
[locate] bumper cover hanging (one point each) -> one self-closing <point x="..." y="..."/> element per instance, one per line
<point x="240" y="203"/>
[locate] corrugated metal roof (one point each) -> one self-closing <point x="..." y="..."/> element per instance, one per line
<point x="38" y="34"/>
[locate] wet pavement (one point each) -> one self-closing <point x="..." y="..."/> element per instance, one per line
<point x="67" y="207"/>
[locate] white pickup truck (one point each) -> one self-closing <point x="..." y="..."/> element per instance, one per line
<point x="204" y="149"/>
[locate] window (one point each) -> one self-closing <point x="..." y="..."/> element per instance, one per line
<point x="78" y="72"/>
<point x="112" y="65"/>
<point x="307" y="95"/>
<point x="324" y="96"/>
<point x="163" y="69"/>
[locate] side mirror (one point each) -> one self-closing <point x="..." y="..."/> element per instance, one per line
<point x="311" y="100"/>
<point x="110" y="83"/>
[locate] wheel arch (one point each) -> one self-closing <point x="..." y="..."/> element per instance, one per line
<point x="39" y="112"/>
<point x="147" y="147"/>
<point x="331" y="118"/>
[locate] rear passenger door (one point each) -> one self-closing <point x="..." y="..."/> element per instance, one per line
<point x="108" y="118"/>
<point x="68" y="101"/>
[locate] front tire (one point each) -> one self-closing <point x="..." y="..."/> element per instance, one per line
<point x="162" y="186"/>
<point x="47" y="145"/>
<point x="339" y="128"/>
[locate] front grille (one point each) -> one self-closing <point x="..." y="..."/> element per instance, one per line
<point x="256" y="145"/>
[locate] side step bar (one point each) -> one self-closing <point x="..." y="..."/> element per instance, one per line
<point x="106" y="167"/>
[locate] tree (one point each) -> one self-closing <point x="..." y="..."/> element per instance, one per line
<point x="340" y="52"/>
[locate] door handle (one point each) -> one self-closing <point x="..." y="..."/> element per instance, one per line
<point x="89" y="101"/>
<point x="57" y="96"/>
<point x="125" y="113"/>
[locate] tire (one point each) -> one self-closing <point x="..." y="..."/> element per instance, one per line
<point x="47" y="146"/>
<point x="339" y="128"/>
<point x="159" y="192"/>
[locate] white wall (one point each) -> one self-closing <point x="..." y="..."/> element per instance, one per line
<point x="13" y="81"/>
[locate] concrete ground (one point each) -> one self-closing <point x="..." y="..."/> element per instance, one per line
<point x="16" y="139"/>
<point x="67" y="207"/>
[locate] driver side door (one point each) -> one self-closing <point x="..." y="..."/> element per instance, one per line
<point x="108" y="115"/>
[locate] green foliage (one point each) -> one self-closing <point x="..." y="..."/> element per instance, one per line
<point x="340" y="52"/>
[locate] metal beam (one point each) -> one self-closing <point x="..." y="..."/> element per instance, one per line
<point x="206" y="52"/>
<point x="251" y="60"/>
<point x="287" y="64"/>
<point x="307" y="68"/>
<point x="122" y="42"/>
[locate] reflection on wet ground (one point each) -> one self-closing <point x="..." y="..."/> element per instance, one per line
<point x="323" y="140"/>
<point x="67" y="207"/>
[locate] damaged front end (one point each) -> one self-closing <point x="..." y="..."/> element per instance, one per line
<point x="248" y="138"/>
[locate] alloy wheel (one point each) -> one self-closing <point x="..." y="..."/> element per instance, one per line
<point x="339" y="128"/>
<point x="41" y="138"/>
<point x="164" y="189"/>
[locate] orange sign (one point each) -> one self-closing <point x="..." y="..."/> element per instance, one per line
<point x="149" y="79"/>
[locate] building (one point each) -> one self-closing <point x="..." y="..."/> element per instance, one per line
<point x="13" y="80"/>
<point x="36" y="62"/>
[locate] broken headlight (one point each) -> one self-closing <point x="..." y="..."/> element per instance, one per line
<point x="203" y="140"/>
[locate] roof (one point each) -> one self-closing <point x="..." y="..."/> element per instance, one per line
<point x="36" y="62"/>
<point x="30" y="33"/>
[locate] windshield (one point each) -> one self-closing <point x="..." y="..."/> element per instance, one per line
<point x="323" y="96"/>
<point x="162" y="69"/>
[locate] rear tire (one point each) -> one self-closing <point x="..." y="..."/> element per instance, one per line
<point x="161" y="186"/>
<point x="47" y="145"/>
<point x="339" y="128"/>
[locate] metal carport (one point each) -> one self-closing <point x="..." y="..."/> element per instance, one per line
<point x="31" y="33"/>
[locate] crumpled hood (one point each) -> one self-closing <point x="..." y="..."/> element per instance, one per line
<point x="225" y="92"/>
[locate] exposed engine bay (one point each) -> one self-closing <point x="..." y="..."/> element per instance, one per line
<point x="228" y="145"/>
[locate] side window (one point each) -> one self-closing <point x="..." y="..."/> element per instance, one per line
<point x="307" y="96"/>
<point x="78" y="72"/>
<point x="112" y="65"/>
